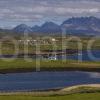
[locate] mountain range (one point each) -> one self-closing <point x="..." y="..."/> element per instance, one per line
<point x="74" y="26"/>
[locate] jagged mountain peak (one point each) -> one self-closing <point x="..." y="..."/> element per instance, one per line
<point x="74" y="25"/>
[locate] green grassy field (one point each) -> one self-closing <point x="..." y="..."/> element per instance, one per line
<point x="46" y="65"/>
<point x="85" y="96"/>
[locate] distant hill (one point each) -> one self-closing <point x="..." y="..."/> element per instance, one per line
<point x="35" y="28"/>
<point x="74" y="26"/>
<point x="22" y="28"/>
<point x="50" y="27"/>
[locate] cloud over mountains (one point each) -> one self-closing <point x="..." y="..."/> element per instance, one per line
<point x="38" y="11"/>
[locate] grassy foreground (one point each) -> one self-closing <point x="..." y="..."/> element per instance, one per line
<point x="85" y="96"/>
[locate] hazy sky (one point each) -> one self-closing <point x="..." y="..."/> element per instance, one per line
<point x="31" y="12"/>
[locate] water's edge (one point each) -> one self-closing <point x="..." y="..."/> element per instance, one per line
<point x="27" y="70"/>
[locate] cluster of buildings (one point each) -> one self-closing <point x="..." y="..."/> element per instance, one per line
<point x="37" y="41"/>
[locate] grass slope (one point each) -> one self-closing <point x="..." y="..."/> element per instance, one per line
<point x="85" y="96"/>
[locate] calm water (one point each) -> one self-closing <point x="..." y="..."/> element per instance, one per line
<point x="84" y="56"/>
<point x="46" y="80"/>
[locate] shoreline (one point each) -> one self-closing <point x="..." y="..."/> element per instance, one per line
<point x="28" y="70"/>
<point x="85" y="88"/>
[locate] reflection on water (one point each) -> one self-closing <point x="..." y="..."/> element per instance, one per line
<point x="94" y="75"/>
